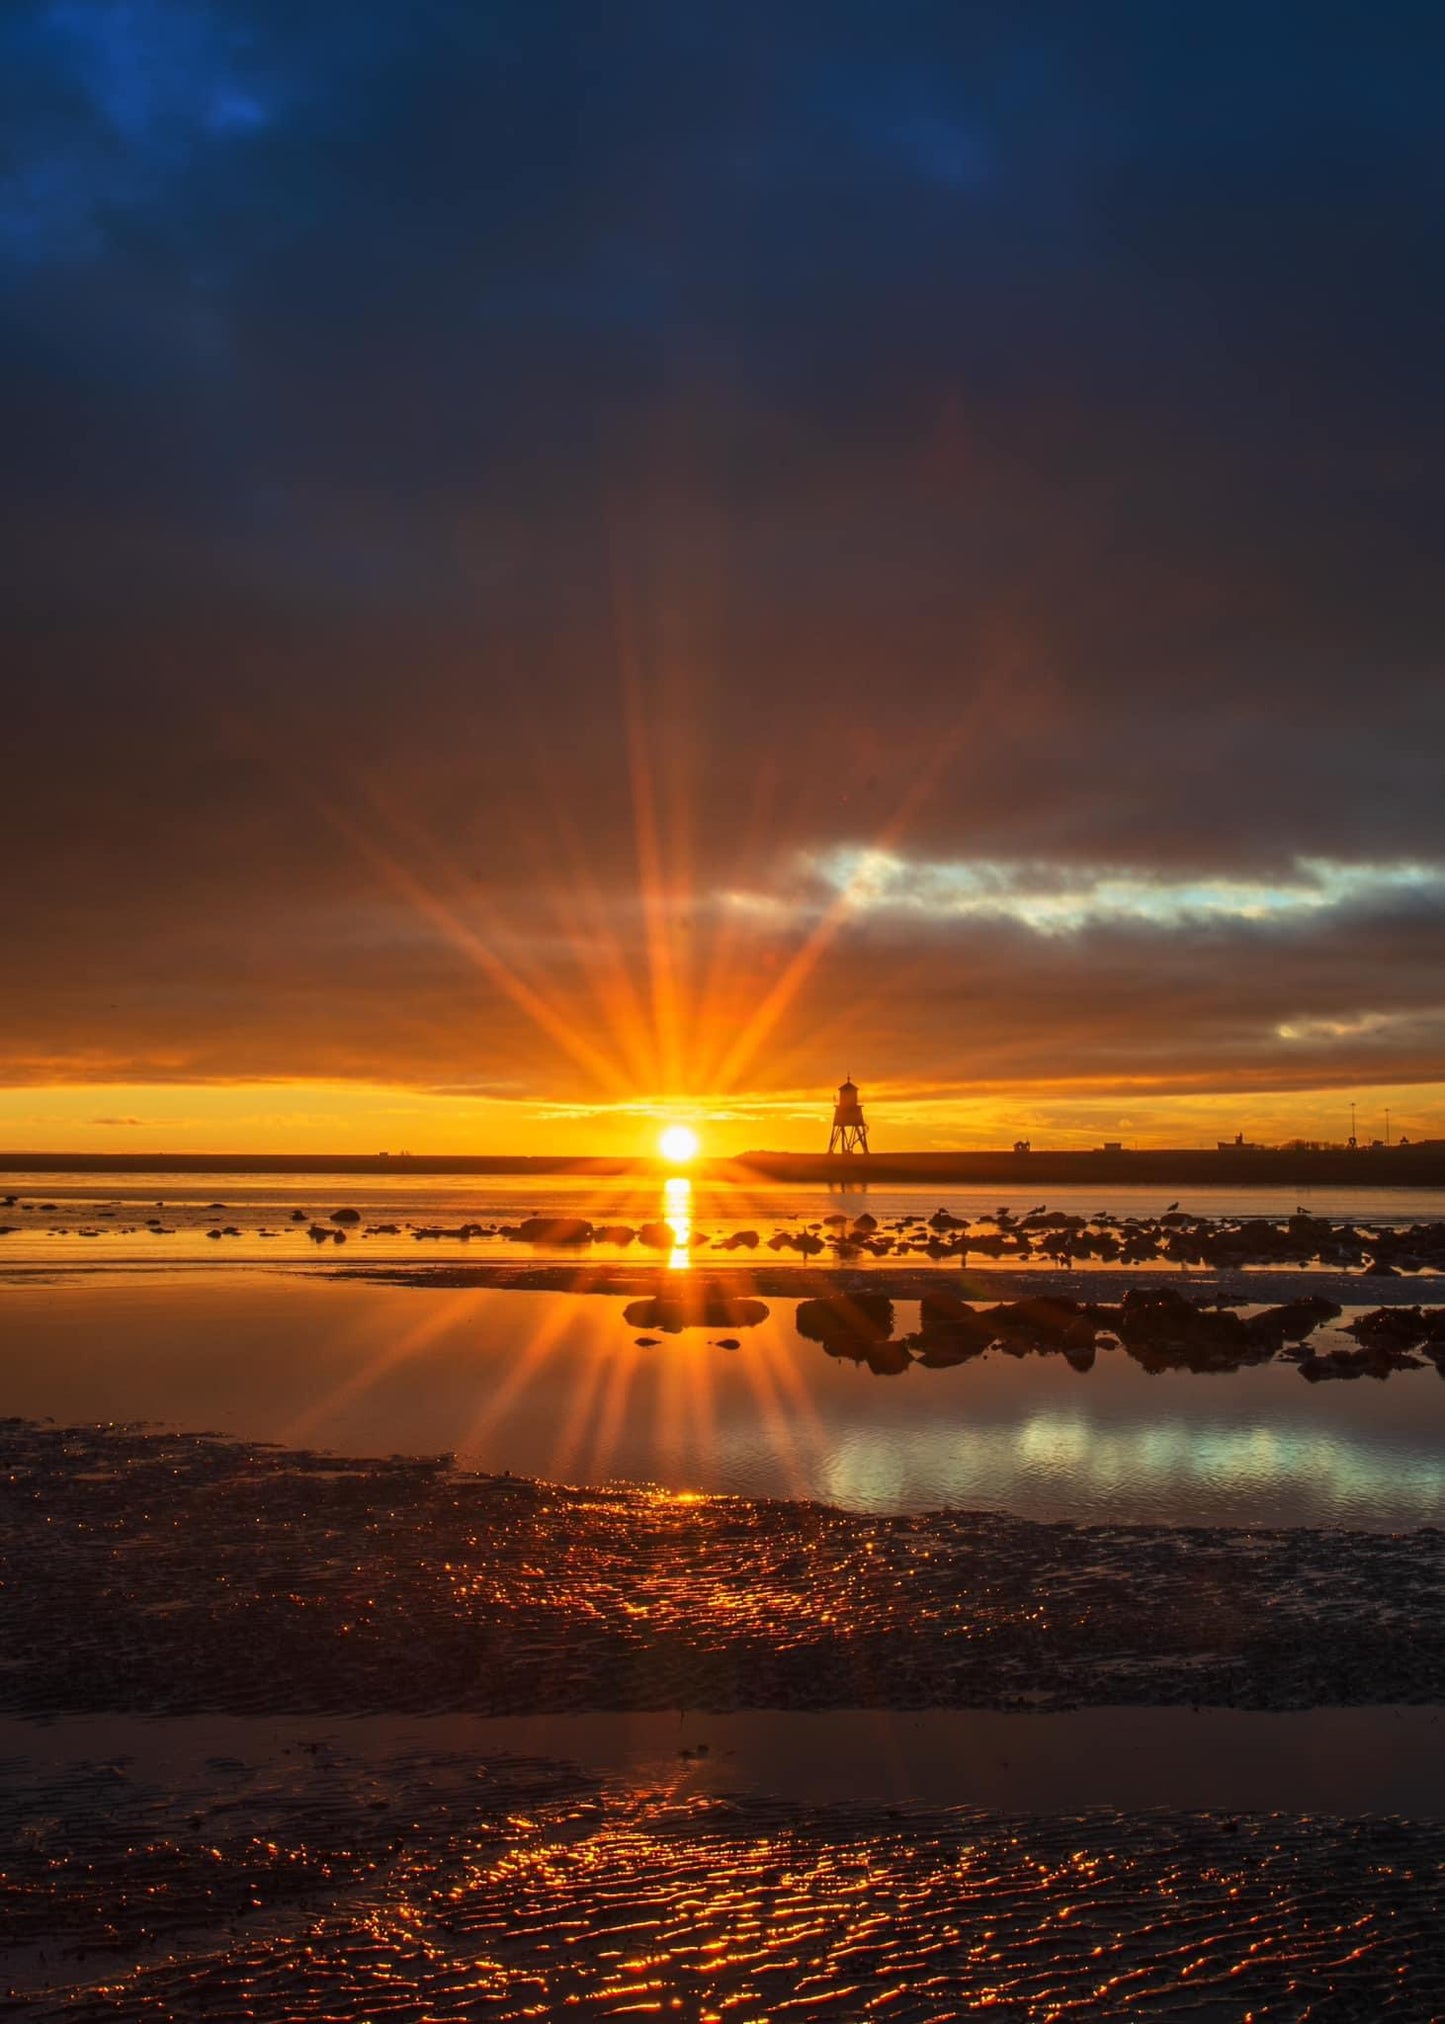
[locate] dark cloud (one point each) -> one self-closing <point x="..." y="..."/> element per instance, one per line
<point x="1021" y="438"/>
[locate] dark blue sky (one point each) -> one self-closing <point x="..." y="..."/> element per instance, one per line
<point x="1026" y="423"/>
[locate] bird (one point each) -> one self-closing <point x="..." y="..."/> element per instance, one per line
<point x="1172" y="1207"/>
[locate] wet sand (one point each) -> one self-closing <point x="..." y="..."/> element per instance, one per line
<point x="1379" y="1760"/>
<point x="194" y="1574"/>
<point x="898" y="1282"/>
<point x="760" y="1829"/>
<point x="320" y="1880"/>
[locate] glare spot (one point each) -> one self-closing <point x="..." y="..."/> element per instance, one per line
<point x="679" y="1144"/>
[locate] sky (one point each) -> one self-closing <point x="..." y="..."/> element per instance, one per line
<point x="571" y="566"/>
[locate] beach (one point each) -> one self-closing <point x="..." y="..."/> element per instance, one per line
<point x="501" y="1628"/>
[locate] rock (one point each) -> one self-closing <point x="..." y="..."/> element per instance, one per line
<point x="868" y="1316"/>
<point x="555" y="1230"/>
<point x="941" y="1314"/>
<point x="1390" y="1328"/>
<point x="1163" y="1330"/>
<point x="658" y="1236"/>
<point x="1373" y="1360"/>
<point x="346" y="1215"/>
<point x="854" y="1325"/>
<point x="614" y="1233"/>
<point x="1296" y="1319"/>
<point x="701" y="1306"/>
<point x="1043" y="1325"/>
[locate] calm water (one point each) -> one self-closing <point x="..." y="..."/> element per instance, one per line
<point x="555" y="1385"/>
<point x="101" y="1219"/>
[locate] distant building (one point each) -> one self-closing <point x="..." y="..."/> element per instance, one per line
<point x="850" y="1132"/>
<point x="1239" y="1144"/>
<point x="1023" y="1145"/>
<point x="1112" y="1146"/>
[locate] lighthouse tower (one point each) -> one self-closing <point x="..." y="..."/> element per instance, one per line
<point x="850" y="1133"/>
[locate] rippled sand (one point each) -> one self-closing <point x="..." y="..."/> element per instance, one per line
<point x="161" y="1573"/>
<point x="442" y="1888"/>
<point x="321" y="1876"/>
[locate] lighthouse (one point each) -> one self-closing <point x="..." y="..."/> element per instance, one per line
<point x="850" y="1133"/>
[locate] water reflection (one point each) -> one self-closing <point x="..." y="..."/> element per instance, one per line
<point x="556" y="1386"/>
<point x="677" y="1212"/>
<point x="1174" y="1467"/>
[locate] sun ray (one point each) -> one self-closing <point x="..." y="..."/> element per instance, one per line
<point x="648" y="841"/>
<point x="556" y="1025"/>
<point x="780" y="998"/>
<point x="579" y="1412"/>
<point x="524" y="1371"/>
<point x="583" y="917"/>
<point x="614" y="1404"/>
<point x="395" y="1351"/>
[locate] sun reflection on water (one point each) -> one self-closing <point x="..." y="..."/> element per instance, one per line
<point x="677" y="1211"/>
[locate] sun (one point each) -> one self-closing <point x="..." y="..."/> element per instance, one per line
<point x="679" y="1144"/>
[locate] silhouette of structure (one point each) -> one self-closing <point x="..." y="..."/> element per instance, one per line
<point x="850" y="1133"/>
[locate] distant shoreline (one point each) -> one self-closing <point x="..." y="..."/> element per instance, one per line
<point x="1394" y="1166"/>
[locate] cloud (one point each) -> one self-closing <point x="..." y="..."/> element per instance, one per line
<point x="987" y="469"/>
<point x="1065" y="899"/>
<point x="114" y="102"/>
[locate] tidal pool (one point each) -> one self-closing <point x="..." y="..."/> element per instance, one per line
<point x="556" y="1386"/>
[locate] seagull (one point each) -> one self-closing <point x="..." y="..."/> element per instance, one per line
<point x="1172" y="1207"/>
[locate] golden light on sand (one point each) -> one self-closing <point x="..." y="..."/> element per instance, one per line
<point x="679" y="1144"/>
